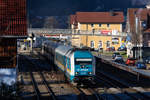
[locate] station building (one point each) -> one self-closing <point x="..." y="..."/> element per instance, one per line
<point x="97" y="29"/>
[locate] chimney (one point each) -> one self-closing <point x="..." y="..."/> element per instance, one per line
<point x="112" y="13"/>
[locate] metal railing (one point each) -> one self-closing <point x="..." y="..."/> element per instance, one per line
<point x="72" y="31"/>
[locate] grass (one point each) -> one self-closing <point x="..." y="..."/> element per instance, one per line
<point x="109" y="53"/>
<point x="124" y="54"/>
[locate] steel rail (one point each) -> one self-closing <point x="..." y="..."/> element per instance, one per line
<point x="44" y="81"/>
<point x="125" y="85"/>
<point x="38" y="94"/>
<point x="47" y="86"/>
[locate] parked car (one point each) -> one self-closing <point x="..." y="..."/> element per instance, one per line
<point x="110" y="49"/>
<point x="122" y="49"/>
<point x="121" y="61"/>
<point x="140" y="65"/>
<point x="130" y="61"/>
<point x="118" y="57"/>
<point x="115" y="54"/>
<point x="147" y="60"/>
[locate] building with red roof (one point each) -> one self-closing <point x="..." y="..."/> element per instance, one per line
<point x="106" y="29"/>
<point x="104" y="22"/>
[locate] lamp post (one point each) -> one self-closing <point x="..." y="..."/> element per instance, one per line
<point x="138" y="31"/>
<point x="140" y="41"/>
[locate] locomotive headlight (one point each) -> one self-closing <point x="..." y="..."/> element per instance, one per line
<point x="76" y="73"/>
<point x="82" y="66"/>
<point x="90" y="73"/>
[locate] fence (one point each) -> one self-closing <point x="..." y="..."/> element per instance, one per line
<point x="72" y="31"/>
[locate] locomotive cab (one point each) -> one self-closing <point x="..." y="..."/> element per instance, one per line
<point x="84" y="65"/>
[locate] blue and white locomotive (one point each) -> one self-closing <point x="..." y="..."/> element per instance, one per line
<point x="77" y="64"/>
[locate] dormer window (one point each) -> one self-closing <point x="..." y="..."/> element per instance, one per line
<point x="100" y="25"/>
<point x="108" y="25"/>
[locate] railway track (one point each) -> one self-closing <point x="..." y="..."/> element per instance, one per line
<point x="122" y="87"/>
<point x="82" y="92"/>
<point x="35" y="83"/>
<point x="96" y="94"/>
<point x="116" y="84"/>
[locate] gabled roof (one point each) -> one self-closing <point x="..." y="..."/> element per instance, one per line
<point x="72" y="19"/>
<point x="147" y="30"/>
<point x="100" y="17"/>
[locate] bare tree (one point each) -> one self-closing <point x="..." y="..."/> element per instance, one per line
<point x="51" y="22"/>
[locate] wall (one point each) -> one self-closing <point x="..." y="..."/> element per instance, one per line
<point x="102" y="27"/>
<point x="85" y="40"/>
<point x="8" y="52"/>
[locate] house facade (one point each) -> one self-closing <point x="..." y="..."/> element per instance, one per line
<point x="96" y="41"/>
<point x="101" y="22"/>
<point x="97" y="29"/>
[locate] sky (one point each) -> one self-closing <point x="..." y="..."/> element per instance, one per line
<point x="39" y="10"/>
<point x="67" y="7"/>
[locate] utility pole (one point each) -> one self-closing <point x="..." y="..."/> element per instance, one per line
<point x="138" y="37"/>
<point x="140" y="41"/>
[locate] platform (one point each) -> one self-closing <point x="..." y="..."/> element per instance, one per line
<point x="131" y="69"/>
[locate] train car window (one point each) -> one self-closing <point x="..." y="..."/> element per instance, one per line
<point x="68" y="63"/>
<point x="64" y="60"/>
<point x="83" y="61"/>
<point x="61" y="59"/>
<point x="56" y="56"/>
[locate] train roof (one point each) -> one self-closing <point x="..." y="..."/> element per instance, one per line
<point x="63" y="49"/>
<point x="51" y="44"/>
<point x="68" y="50"/>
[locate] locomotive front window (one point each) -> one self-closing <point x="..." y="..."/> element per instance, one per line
<point x="80" y="61"/>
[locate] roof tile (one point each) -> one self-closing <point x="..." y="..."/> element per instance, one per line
<point x="100" y="17"/>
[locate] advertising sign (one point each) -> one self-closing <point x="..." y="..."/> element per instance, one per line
<point x="106" y="32"/>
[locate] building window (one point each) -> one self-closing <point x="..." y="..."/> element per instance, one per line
<point x="115" y="40"/>
<point x="100" y="25"/>
<point x="93" y="31"/>
<point x="108" y="44"/>
<point x="108" y="25"/>
<point x="100" y="44"/>
<point x="92" y="44"/>
<point x="92" y="25"/>
<point x="86" y="26"/>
